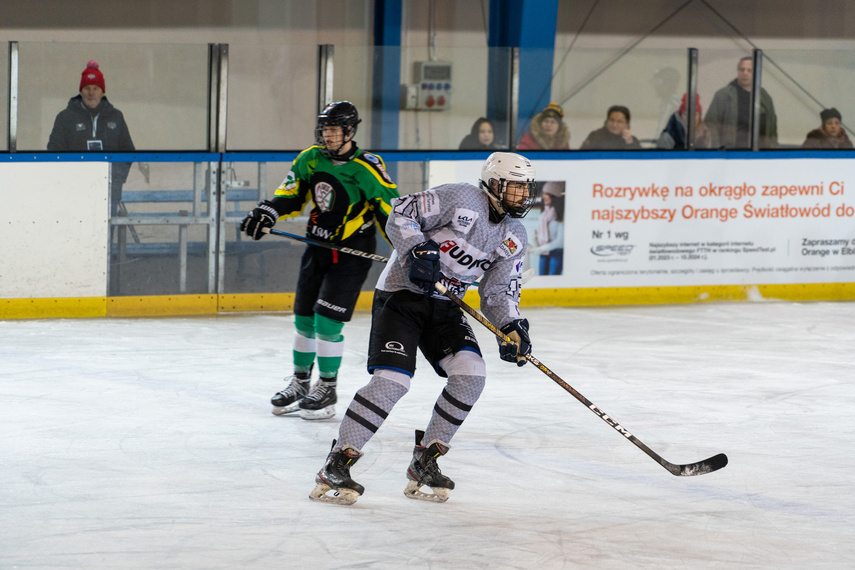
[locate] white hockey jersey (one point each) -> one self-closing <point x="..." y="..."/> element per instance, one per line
<point x="457" y="217"/>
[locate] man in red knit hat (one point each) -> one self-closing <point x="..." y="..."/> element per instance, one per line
<point x="91" y="123"/>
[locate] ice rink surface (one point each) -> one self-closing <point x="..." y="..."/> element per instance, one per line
<point x="149" y="443"/>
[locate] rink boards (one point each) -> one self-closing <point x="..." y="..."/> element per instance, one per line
<point x="639" y="228"/>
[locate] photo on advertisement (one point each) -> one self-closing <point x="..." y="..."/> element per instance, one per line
<point x="545" y="227"/>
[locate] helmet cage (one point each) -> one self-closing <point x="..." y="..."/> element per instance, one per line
<point x="505" y="202"/>
<point x="500" y="169"/>
<point x="341" y="114"/>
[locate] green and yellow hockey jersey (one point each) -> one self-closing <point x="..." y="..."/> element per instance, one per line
<point x="348" y="198"/>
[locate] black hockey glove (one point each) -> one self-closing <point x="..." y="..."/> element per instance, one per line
<point x="263" y="216"/>
<point x="517" y="331"/>
<point x="424" y="270"/>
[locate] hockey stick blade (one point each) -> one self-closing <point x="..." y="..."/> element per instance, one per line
<point x="714" y="463"/>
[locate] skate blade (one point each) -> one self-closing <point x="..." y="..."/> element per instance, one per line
<point x="283" y="410"/>
<point x="339" y="497"/>
<point x="414" y="491"/>
<point x="323" y="414"/>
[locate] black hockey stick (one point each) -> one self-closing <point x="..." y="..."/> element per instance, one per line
<point x="714" y="463"/>
<point x="342" y="248"/>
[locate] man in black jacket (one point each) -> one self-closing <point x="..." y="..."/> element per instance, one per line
<point x="92" y="123"/>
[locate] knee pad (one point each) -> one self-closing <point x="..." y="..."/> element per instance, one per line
<point x="393" y="376"/>
<point x="464" y="363"/>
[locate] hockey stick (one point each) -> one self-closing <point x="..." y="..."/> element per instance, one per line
<point x="701" y="467"/>
<point x="526" y="275"/>
<point x="342" y="248"/>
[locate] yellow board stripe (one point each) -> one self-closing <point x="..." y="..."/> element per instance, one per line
<point x="165" y="305"/>
<point x="59" y="308"/>
<point x="161" y="305"/>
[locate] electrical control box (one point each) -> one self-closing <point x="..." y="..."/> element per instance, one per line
<point x="431" y="87"/>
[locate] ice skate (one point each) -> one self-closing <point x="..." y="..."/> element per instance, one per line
<point x="288" y="400"/>
<point x="424" y="472"/>
<point x="319" y="403"/>
<point x="334" y="477"/>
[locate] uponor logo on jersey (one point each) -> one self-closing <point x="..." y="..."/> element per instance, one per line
<point x="457" y="253"/>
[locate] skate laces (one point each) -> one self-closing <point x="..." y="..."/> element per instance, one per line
<point x="320" y="391"/>
<point x="297" y="387"/>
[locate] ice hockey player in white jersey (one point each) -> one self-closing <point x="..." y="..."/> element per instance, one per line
<point x="454" y="234"/>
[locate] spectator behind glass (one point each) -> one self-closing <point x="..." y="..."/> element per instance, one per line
<point x="727" y="117"/>
<point x="481" y="137"/>
<point x="547" y="131"/>
<point x="615" y="134"/>
<point x="674" y="134"/>
<point x="830" y="134"/>
<point x="91" y="123"/>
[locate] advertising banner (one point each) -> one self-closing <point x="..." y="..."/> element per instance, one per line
<point x="642" y="223"/>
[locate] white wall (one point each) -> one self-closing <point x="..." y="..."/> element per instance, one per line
<point x="53" y="229"/>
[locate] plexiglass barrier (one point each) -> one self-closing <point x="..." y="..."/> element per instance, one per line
<point x="179" y="232"/>
<point x="161" y="91"/>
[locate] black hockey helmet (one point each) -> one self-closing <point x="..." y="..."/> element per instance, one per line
<point x="339" y="114"/>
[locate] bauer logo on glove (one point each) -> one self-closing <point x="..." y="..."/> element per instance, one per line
<point x="263" y="216"/>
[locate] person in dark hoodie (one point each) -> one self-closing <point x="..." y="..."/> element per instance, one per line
<point x="614" y="134"/>
<point x="830" y="134"/>
<point x="91" y="123"/>
<point x="481" y="137"/>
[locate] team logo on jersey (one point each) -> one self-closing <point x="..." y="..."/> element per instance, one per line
<point x="324" y="196"/>
<point x="510" y="245"/>
<point x="290" y="181"/>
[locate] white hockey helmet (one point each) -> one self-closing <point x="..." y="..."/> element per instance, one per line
<point x="499" y="169"/>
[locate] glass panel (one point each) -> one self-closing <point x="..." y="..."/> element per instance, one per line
<point x="4" y="96"/>
<point x="273" y="97"/>
<point x="160" y="89"/>
<point x="804" y="82"/>
<point x="587" y="82"/>
<point x="434" y="101"/>
<point x="153" y="222"/>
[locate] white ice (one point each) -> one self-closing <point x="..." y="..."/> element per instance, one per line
<point x="149" y="443"/>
